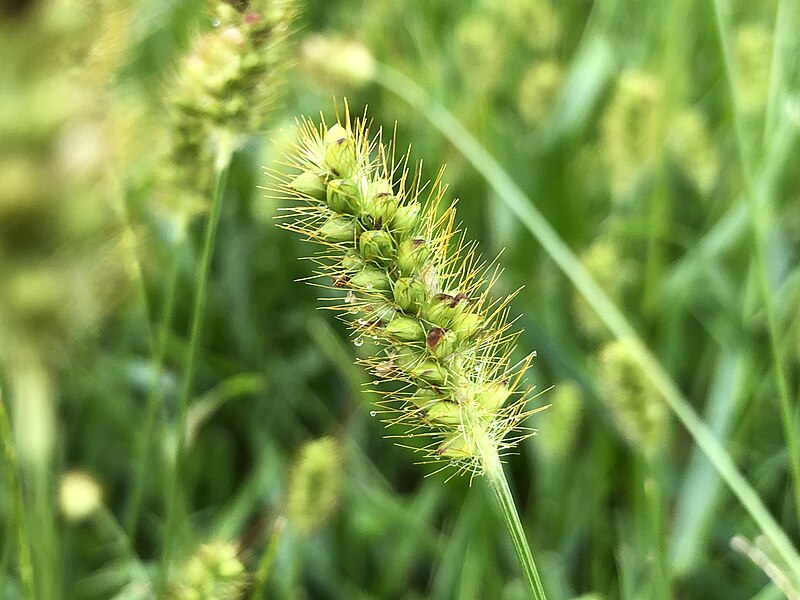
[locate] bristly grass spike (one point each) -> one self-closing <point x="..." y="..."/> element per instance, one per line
<point x="415" y="284"/>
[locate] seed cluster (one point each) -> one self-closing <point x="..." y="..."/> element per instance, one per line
<point x="415" y="286"/>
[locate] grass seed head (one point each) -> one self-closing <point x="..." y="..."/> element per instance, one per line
<point x="315" y="485"/>
<point x="414" y="284"/>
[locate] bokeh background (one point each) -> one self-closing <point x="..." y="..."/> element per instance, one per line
<point x="658" y="140"/>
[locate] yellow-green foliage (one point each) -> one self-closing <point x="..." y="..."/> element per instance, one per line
<point x="414" y="285"/>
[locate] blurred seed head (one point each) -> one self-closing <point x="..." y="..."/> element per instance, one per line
<point x="613" y="271"/>
<point x="59" y="261"/>
<point x="753" y="55"/>
<point x="635" y="406"/>
<point x="538" y="90"/>
<point x="691" y="147"/>
<point x="315" y="485"/>
<point x="632" y="131"/>
<point x="535" y="22"/>
<point x="561" y="423"/>
<point x="79" y="495"/>
<point x="333" y="61"/>
<point x="232" y="75"/>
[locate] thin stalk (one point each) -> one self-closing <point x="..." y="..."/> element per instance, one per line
<point x="221" y="167"/>
<point x="24" y="561"/>
<point x="758" y="238"/>
<point x="496" y="477"/>
<point x="154" y="399"/>
<point x="516" y="200"/>
<point x="265" y="565"/>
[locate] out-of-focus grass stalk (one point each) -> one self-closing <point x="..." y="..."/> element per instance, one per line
<point x="265" y="565"/>
<point x="224" y="152"/>
<point x="14" y="488"/>
<point x="154" y="398"/>
<point x="511" y="194"/>
<point x="758" y="224"/>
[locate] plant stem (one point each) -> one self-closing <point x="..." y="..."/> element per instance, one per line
<point x="24" y="560"/>
<point x="265" y="565"/>
<point x="221" y="168"/>
<point x="496" y="477"/>
<point x="154" y="399"/>
<point x="511" y="194"/>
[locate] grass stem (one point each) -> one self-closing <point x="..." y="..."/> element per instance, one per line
<point x="25" y="564"/>
<point x="496" y="478"/>
<point x="265" y="565"/>
<point x="221" y="168"/>
<point x="155" y="399"/>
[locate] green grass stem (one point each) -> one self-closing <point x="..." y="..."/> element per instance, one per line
<point x="221" y="167"/>
<point x="516" y="200"/>
<point x="24" y="561"/>
<point x="155" y="399"/>
<point x="267" y="559"/>
<point x="496" y="478"/>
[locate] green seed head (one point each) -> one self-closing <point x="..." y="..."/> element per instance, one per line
<point x="446" y="355"/>
<point x="441" y="342"/>
<point x="406" y="217"/>
<point x="492" y="395"/>
<point x="466" y="324"/>
<point x="380" y="204"/>
<point x="444" y="413"/>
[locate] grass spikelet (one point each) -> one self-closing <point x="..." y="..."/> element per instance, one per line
<point x="631" y="130"/>
<point x="637" y="411"/>
<point x="315" y="484"/>
<point x="404" y="274"/>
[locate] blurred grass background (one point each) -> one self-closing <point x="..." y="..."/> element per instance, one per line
<point x="660" y="141"/>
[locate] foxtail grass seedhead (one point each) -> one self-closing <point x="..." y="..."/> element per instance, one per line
<point x="315" y="485"/>
<point x="637" y="410"/>
<point x="231" y="77"/>
<point x="406" y="277"/>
